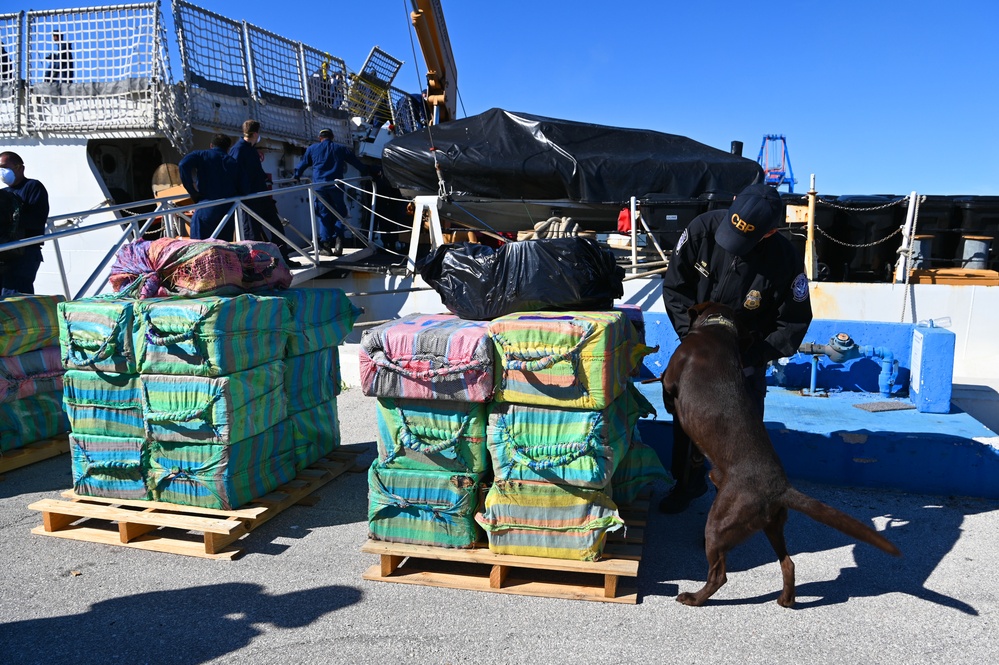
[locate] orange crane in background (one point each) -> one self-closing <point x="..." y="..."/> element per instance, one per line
<point x="442" y="76"/>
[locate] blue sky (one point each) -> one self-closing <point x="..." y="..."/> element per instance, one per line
<point x="875" y="97"/>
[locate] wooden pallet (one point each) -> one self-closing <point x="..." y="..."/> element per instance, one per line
<point x="33" y="452"/>
<point x="481" y="570"/>
<point x="177" y="529"/>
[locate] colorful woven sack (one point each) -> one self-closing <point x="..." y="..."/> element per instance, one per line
<point x="421" y="356"/>
<point x="221" y="476"/>
<point x="434" y="508"/>
<point x="28" y="323"/>
<point x="209" y="336"/>
<point x="221" y="409"/>
<point x="96" y="334"/>
<point x="30" y="373"/>
<point x="311" y="379"/>
<point x="577" y="360"/>
<point x="634" y="314"/>
<point x="432" y="435"/>
<point x="108" y="466"/>
<point x="639" y="467"/>
<point x="31" y="419"/>
<point x="104" y="404"/>
<point x="321" y="318"/>
<point x="316" y="433"/>
<point x="547" y="520"/>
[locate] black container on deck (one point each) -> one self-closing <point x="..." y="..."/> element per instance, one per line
<point x="668" y="216"/>
<point x="864" y="220"/>
<point x="979" y="216"/>
<point x="938" y="216"/>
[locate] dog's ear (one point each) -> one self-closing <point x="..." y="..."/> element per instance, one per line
<point x="696" y="311"/>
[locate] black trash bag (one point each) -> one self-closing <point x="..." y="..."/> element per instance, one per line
<point x="481" y="283"/>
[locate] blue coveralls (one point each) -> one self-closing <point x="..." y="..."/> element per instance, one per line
<point x="329" y="160"/>
<point x="217" y="177"/>
<point x="20" y="274"/>
<point x="253" y="179"/>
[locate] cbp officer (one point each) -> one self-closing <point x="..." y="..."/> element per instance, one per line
<point x="208" y="175"/>
<point x="735" y="257"/>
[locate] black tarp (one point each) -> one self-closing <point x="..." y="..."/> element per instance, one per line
<point x="507" y="155"/>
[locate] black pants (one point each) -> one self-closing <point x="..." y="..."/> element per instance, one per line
<point x="687" y="461"/>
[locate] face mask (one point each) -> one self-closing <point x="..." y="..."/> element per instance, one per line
<point x="7" y="176"/>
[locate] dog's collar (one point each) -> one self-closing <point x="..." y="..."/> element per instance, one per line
<point x="718" y="320"/>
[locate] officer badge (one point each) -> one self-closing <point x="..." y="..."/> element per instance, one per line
<point x="753" y="300"/>
<point x="799" y="290"/>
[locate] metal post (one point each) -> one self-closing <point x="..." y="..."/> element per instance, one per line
<point x="634" y="238"/>
<point x="811" y="261"/>
<point x="904" y="252"/>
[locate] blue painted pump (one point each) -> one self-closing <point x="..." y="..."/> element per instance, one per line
<point x="842" y="348"/>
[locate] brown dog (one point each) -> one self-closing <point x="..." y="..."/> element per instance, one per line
<point x="703" y="389"/>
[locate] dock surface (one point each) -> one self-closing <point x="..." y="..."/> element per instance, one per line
<point x="297" y="593"/>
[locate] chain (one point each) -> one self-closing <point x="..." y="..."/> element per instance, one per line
<point x="865" y="208"/>
<point x="870" y="244"/>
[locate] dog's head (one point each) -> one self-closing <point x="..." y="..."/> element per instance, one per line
<point x="707" y="313"/>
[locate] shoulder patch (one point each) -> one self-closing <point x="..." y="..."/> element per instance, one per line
<point x="679" y="243"/>
<point x="799" y="289"/>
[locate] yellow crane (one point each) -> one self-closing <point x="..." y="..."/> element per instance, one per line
<point x="442" y="76"/>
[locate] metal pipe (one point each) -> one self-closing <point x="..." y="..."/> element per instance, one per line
<point x="811" y="261"/>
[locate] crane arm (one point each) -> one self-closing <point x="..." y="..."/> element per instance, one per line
<point x="442" y="77"/>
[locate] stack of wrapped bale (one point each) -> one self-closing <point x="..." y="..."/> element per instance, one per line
<point x="561" y="424"/>
<point x="321" y="320"/>
<point x="30" y="371"/>
<point x="432" y="375"/>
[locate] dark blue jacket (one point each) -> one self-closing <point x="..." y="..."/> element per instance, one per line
<point x="328" y="160"/>
<point x="252" y="178"/>
<point x="34" y="207"/>
<point x="217" y="177"/>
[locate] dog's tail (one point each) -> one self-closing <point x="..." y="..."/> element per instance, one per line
<point x="829" y="516"/>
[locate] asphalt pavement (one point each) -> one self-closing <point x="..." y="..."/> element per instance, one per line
<point x="296" y="595"/>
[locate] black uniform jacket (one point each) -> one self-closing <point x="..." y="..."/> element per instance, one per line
<point x="768" y="285"/>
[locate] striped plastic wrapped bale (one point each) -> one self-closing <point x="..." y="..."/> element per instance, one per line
<point x="221" y="409"/>
<point x="421" y="356"/>
<point x="634" y="314"/>
<point x="221" y="476"/>
<point x="316" y="433"/>
<point x="639" y="467"/>
<point x="96" y="334"/>
<point x="31" y="419"/>
<point x="579" y="360"/>
<point x="28" y="323"/>
<point x="108" y="466"/>
<point x="311" y="379"/>
<point x="320" y="318"/>
<point x="103" y="403"/>
<point x="30" y="373"/>
<point x="565" y="446"/>
<point x="210" y="336"/>
<point x="432" y="435"/>
<point x="434" y="508"/>
<point x="547" y="520"/>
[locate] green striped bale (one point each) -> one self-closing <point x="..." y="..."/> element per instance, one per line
<point x="210" y="336"/>
<point x="221" y="476"/>
<point x="321" y="318"/>
<point x="566" y="446"/>
<point x="547" y="520"/>
<point x="316" y="433"/>
<point x="432" y="435"/>
<point x="108" y="466"/>
<point x="577" y="360"/>
<point x="221" y="409"/>
<point x="104" y="403"/>
<point x="639" y="467"/>
<point x="434" y="508"/>
<point x="96" y="334"/>
<point x="28" y="323"/>
<point x="311" y="379"/>
<point x="31" y="419"/>
<point x="30" y="373"/>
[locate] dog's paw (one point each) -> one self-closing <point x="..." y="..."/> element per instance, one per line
<point x="687" y="599"/>
<point x="786" y="600"/>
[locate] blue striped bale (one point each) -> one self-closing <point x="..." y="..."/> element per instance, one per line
<point x="104" y="403"/>
<point x="432" y="435"/>
<point x="31" y="419"/>
<point x="30" y="373"/>
<point x="311" y="379"/>
<point x="321" y="318"/>
<point x="316" y="432"/>
<point x="108" y="466"/>
<point x="28" y="323"/>
<point x="96" y="334"/>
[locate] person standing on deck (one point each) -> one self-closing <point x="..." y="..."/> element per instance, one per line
<point x="329" y="160"/>
<point x="61" y="67"/>
<point x="208" y="175"/>
<point x="253" y="179"/>
<point x="735" y="257"/>
<point x="19" y="274"/>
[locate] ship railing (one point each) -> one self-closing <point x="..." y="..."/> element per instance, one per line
<point x="174" y="217"/>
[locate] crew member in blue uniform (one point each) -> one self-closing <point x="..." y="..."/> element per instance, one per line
<point x="18" y="275"/>
<point x="208" y="175"/>
<point x="329" y="160"/>
<point x="735" y="257"/>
